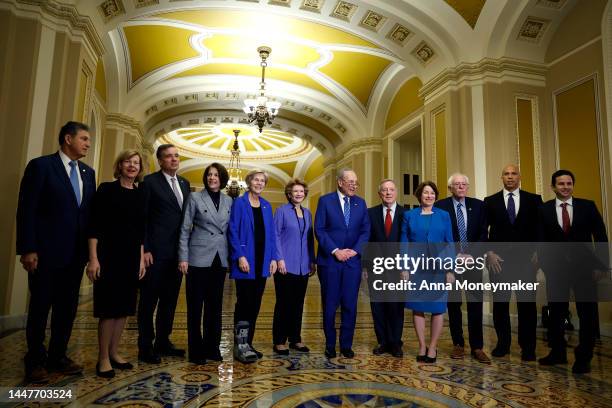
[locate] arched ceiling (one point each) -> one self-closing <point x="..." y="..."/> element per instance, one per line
<point x="336" y="65"/>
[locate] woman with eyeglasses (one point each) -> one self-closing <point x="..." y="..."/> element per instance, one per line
<point x="296" y="262"/>
<point x="116" y="262"/>
<point x="252" y="240"/>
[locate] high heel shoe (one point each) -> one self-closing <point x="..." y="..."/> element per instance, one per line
<point x="282" y="352"/>
<point x="422" y="358"/>
<point x="104" y="374"/>
<point x="121" y="366"/>
<point x="431" y="359"/>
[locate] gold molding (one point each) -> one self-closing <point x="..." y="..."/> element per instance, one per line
<point x="124" y="122"/>
<point x="484" y="70"/>
<point x="64" y="12"/>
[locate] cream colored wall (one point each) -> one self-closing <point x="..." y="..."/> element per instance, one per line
<point x="581" y="25"/>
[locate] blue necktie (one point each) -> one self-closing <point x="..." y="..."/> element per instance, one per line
<point x="461" y="225"/>
<point x="347" y="211"/>
<point x="74" y="180"/>
<point x="511" y="208"/>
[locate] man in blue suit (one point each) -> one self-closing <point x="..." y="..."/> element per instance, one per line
<point x="52" y="216"/>
<point x="342" y="227"/>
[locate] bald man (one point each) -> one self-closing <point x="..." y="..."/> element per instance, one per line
<point x="512" y="216"/>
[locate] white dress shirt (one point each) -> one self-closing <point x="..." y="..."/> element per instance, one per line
<point x="66" y="161"/>
<point x="341" y="198"/>
<point x="178" y="185"/>
<point x="570" y="210"/>
<point x="384" y="210"/>
<point x="516" y="197"/>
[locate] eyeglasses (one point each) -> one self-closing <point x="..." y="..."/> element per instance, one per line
<point x="351" y="183"/>
<point x="460" y="184"/>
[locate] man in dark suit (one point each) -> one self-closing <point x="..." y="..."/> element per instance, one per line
<point x="386" y="226"/>
<point x="512" y="217"/>
<point x="165" y="193"/>
<point x="52" y="216"/>
<point x="342" y="227"/>
<point x="568" y="219"/>
<point x="469" y="221"/>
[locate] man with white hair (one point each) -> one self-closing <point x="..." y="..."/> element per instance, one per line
<point x="469" y="221"/>
<point x="342" y="227"/>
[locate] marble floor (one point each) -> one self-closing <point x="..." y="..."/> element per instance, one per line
<point x="311" y="380"/>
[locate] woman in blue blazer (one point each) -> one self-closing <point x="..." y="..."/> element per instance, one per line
<point x="429" y="228"/>
<point x="252" y="239"/>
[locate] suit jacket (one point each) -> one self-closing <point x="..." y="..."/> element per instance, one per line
<point x="476" y="218"/>
<point x="524" y="228"/>
<point x="587" y="226"/>
<point x="377" y="224"/>
<point x="242" y="237"/>
<point x="332" y="233"/>
<point x="162" y="215"/>
<point x="204" y="230"/>
<point x="49" y="220"/>
<point x="296" y="250"/>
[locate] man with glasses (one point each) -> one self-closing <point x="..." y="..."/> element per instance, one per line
<point x="342" y="227"/>
<point x="469" y="221"/>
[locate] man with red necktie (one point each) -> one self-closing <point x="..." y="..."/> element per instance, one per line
<point x="570" y="219"/>
<point x="386" y="225"/>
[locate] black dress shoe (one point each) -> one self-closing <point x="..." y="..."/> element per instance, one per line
<point x="528" y="356"/>
<point x="330" y="352"/>
<point x="301" y="349"/>
<point x="397" y="352"/>
<point x="500" y="351"/>
<point x="198" y="360"/>
<point x="104" y="374"/>
<point x="37" y="374"/>
<point x="552" y="359"/>
<point x="149" y="356"/>
<point x="581" y="367"/>
<point x="348" y="353"/>
<point x="64" y="366"/>
<point x="214" y="356"/>
<point x="378" y="350"/>
<point x="169" y="350"/>
<point x="282" y="352"/>
<point x="121" y="366"/>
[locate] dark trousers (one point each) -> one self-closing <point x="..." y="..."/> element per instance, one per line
<point x="474" y="312"/>
<point x="558" y="288"/>
<point x="525" y="304"/>
<point x="290" y="291"/>
<point x="159" y="288"/>
<point x="248" y="301"/>
<point x="388" y="320"/>
<point x="204" y="288"/>
<point x="55" y="289"/>
<point x="339" y="287"/>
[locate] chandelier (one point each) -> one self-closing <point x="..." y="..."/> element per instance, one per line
<point x="235" y="184"/>
<point x="260" y="110"/>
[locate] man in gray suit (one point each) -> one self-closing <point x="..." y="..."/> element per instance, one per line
<point x="203" y="257"/>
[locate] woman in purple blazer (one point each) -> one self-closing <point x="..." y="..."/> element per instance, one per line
<point x="296" y="262"/>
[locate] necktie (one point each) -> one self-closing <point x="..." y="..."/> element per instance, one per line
<point x="511" y="208"/>
<point x="461" y="225"/>
<point x="347" y="211"/>
<point x="74" y="180"/>
<point x="176" y="192"/>
<point x="388" y="223"/>
<point x="565" y="219"/>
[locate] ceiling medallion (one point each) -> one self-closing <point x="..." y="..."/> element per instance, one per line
<point x="260" y="110"/>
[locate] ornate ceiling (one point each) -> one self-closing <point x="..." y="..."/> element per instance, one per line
<point x="342" y="70"/>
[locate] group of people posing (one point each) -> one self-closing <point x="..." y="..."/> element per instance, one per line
<point x="136" y="238"/>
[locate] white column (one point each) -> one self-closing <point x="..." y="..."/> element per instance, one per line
<point x="478" y="126"/>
